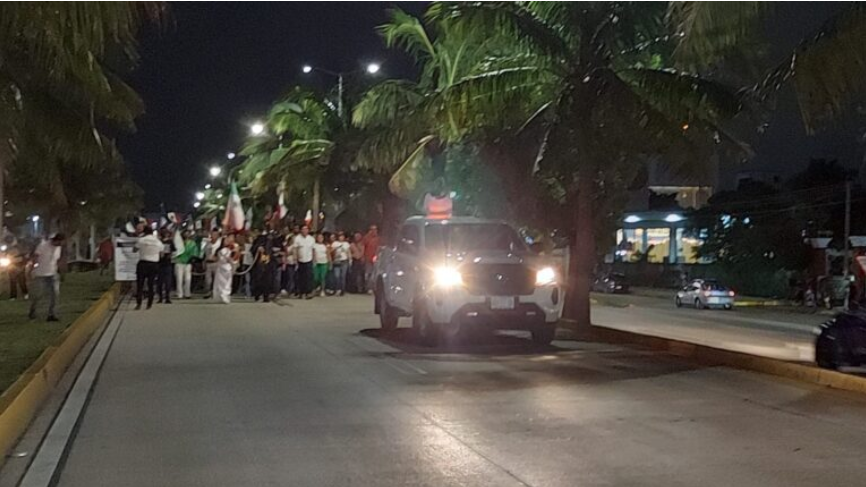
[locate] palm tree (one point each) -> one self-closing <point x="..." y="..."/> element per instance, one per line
<point x="56" y="89"/>
<point x="410" y="125"/>
<point x="296" y="150"/>
<point x="607" y="103"/>
<point x="827" y="67"/>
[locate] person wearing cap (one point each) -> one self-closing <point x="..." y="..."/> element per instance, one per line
<point x="45" y="277"/>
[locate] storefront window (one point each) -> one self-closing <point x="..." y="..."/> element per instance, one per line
<point x="688" y="244"/>
<point x="629" y="244"/>
<point x="658" y="244"/>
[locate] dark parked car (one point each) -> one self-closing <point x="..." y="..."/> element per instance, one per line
<point x="842" y="341"/>
<point x="613" y="282"/>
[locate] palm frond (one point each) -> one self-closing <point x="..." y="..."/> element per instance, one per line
<point x="709" y="31"/>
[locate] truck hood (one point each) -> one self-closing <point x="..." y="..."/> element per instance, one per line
<point x="489" y="257"/>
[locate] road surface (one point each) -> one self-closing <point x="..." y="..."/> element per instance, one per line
<point x="199" y="394"/>
<point x="764" y="332"/>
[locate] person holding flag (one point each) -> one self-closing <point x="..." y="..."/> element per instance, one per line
<point x="233" y="221"/>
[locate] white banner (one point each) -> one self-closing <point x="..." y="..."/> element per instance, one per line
<point x="125" y="258"/>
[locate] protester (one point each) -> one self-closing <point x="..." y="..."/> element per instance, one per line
<point x="303" y="249"/>
<point x="226" y="261"/>
<point x="17" y="270"/>
<point x="356" y="272"/>
<point x="264" y="267"/>
<point x="371" y="247"/>
<point x="208" y="254"/>
<point x="340" y="257"/>
<point x="183" y="266"/>
<point x="247" y="261"/>
<point x="45" y="278"/>
<point x="149" y="249"/>
<point x="166" y="268"/>
<point x="322" y="260"/>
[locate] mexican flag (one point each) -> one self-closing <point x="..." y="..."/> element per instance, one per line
<point x="234" y="218"/>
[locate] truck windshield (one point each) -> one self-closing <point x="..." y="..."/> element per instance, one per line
<point x="472" y="237"/>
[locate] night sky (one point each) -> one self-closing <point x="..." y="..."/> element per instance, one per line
<point x="216" y="67"/>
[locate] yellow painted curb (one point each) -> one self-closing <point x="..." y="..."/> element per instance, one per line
<point x="20" y="402"/>
<point x="715" y="356"/>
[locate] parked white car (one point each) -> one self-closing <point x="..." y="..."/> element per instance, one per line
<point x="460" y="272"/>
<point x="705" y="293"/>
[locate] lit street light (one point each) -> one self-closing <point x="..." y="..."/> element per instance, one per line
<point x="207" y="186"/>
<point x="371" y="68"/>
<point x="230" y="155"/>
<point x="257" y="129"/>
<point x="199" y="195"/>
<point x="196" y="204"/>
<point x="215" y="171"/>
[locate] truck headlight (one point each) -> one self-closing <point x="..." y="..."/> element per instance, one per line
<point x="5" y="261"/>
<point x="447" y="277"/>
<point x="545" y="277"/>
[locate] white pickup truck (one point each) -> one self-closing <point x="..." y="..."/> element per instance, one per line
<point x="456" y="273"/>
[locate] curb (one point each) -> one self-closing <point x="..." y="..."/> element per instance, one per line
<point x="21" y="401"/>
<point x="714" y="356"/>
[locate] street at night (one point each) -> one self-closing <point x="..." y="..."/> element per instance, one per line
<point x="500" y="243"/>
<point x="306" y="395"/>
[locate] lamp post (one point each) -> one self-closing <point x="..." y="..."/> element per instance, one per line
<point x="370" y="68"/>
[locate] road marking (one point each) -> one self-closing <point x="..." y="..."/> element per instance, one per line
<point x="51" y="453"/>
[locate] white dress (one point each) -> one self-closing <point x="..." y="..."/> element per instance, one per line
<point x="222" y="283"/>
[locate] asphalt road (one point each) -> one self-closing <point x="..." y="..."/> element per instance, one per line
<point x="775" y="334"/>
<point x="199" y="394"/>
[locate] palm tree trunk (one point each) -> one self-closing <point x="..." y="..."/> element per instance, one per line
<point x="582" y="252"/>
<point x="5" y="162"/>
<point x="317" y="196"/>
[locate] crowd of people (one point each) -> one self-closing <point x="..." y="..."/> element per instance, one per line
<point x="259" y="264"/>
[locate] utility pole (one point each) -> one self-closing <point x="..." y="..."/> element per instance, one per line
<point x="847" y="258"/>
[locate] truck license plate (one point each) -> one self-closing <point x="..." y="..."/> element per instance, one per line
<point x="501" y="302"/>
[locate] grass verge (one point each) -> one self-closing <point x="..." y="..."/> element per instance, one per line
<point x="22" y="340"/>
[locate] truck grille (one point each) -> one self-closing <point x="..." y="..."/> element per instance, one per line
<point x="499" y="279"/>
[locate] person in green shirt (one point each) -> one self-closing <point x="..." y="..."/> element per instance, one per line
<point x="183" y="266"/>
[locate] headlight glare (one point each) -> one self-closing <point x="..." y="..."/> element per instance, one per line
<point x="5" y="262"/>
<point x="447" y="277"/>
<point x="545" y="277"/>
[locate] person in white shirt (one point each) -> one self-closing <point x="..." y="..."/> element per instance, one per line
<point x="150" y="249"/>
<point x="45" y="259"/>
<point x="321" y="258"/>
<point x="303" y="250"/>
<point x="227" y="258"/>
<point x="340" y="259"/>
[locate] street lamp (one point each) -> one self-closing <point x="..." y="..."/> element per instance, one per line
<point x="257" y="129"/>
<point x="371" y="68"/>
<point x="207" y="186"/>
<point x="215" y="171"/>
<point x="199" y="195"/>
<point x="231" y="155"/>
<point x="196" y="204"/>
